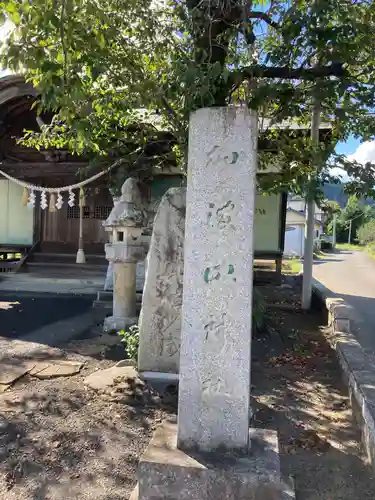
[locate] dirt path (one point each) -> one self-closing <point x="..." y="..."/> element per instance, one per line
<point x="60" y="440"/>
<point x="300" y="394"/>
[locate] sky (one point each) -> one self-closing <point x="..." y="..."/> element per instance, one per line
<point x="354" y="150"/>
<point x="4" y="30"/>
<point x="349" y="147"/>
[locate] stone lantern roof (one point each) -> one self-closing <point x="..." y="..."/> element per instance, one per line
<point x="127" y="212"/>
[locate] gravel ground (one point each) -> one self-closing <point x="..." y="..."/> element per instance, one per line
<point x="60" y="440"/>
<point x="299" y="393"/>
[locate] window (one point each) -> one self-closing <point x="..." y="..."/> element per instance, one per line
<point x="73" y="213"/>
<point x="100" y="213"/>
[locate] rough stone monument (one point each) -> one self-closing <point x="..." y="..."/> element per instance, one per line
<point x="160" y="318"/>
<point x="211" y="454"/>
<point x="124" y="251"/>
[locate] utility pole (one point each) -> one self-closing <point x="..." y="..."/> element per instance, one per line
<point x="350" y="231"/>
<point x="308" y="257"/>
<point x="334" y="222"/>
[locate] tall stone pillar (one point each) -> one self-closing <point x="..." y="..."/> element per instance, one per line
<point x="125" y="223"/>
<point x="211" y="454"/>
<point x="215" y="353"/>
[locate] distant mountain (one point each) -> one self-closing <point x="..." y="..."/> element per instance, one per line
<point x="335" y="192"/>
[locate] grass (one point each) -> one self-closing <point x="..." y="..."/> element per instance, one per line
<point x="292" y="266"/>
<point x="12" y="256"/>
<point x="321" y="254"/>
<point x="350" y="246"/>
<point x="370" y="249"/>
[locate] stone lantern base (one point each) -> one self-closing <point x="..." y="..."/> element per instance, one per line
<point x="116" y="324"/>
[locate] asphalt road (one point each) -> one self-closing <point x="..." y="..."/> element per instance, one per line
<point x="22" y="314"/>
<point x="351" y="275"/>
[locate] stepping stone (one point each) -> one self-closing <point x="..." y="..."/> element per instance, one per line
<point x="102" y="379"/>
<point x="38" y="368"/>
<point x="12" y="371"/>
<point x="56" y="369"/>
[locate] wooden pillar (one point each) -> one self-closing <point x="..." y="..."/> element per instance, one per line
<point x="278" y="262"/>
<point x="81" y="258"/>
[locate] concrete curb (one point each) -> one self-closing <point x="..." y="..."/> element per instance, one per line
<point x="358" y="369"/>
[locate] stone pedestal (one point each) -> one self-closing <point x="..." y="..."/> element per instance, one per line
<point x="140" y="275"/>
<point x="166" y="472"/>
<point x="211" y="454"/>
<point x="80" y="258"/>
<point x="124" y="298"/>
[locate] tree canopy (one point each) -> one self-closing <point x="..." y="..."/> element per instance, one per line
<point x="354" y="215"/>
<point x="117" y="73"/>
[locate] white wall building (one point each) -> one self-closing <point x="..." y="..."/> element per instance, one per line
<point x="295" y="232"/>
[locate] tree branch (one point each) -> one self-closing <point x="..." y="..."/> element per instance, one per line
<point x="259" y="71"/>
<point x="62" y="36"/>
<point x="255" y="14"/>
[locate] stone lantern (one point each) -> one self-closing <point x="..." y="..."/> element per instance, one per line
<point x="125" y="223"/>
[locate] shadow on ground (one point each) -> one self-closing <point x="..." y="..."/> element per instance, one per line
<point x="98" y="345"/>
<point x="59" y="439"/>
<point x="322" y="260"/>
<point x="21" y="314"/>
<point x="300" y="394"/>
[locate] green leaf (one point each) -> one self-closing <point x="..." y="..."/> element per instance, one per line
<point x="97" y="64"/>
<point x="101" y="40"/>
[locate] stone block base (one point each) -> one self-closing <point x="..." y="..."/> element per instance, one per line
<point x="114" y="324"/>
<point x="104" y="300"/>
<point x="167" y="473"/>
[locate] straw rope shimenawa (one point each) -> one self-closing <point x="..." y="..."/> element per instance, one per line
<point x="29" y="190"/>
